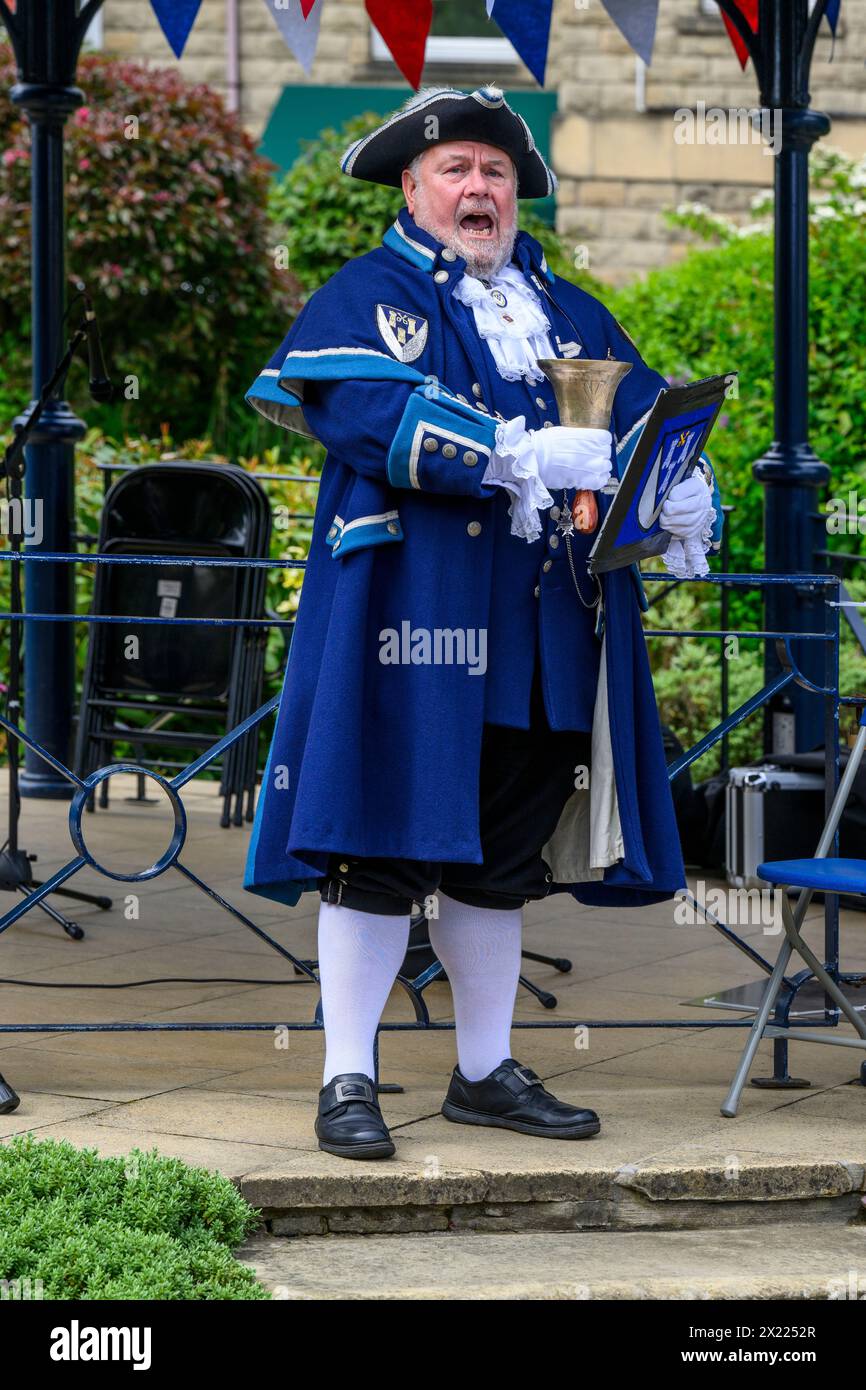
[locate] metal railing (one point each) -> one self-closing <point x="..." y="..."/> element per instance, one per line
<point x="304" y="970"/>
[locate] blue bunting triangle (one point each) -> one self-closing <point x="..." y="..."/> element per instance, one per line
<point x="176" y="18"/>
<point x="831" y="14"/>
<point x="526" y="24"/>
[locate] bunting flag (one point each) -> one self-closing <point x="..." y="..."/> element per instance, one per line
<point x="298" y="21"/>
<point x="526" y="24"/>
<point x="176" y="18"/>
<point x="749" y="10"/>
<point x="636" y="21"/>
<point x="404" y="26"/>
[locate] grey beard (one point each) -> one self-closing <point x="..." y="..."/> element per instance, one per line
<point x="481" y="266"/>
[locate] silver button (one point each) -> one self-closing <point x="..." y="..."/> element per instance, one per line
<point x="393" y="527"/>
<point x="474" y="528"/>
<point x="537" y="591"/>
<point x="462" y="399"/>
<point x="441" y="276"/>
<point x="548" y="424"/>
<point x="554" y="541"/>
<point x="555" y="513"/>
<point x="332" y="533"/>
<point x="470" y="458"/>
<point x="482" y="406"/>
<point x="344" y="868"/>
<point x="541" y="402"/>
<point x="449" y="255"/>
<point x="431" y="445"/>
<point x="449" y="451"/>
<point x="546" y="566"/>
<point x="476" y="389"/>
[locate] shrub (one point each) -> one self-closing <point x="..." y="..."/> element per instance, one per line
<point x="140" y="1227"/>
<point x="168" y="227"/>
<point x="713" y="312"/>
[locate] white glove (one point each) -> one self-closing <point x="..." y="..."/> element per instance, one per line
<point x="687" y="507"/>
<point x="528" y="462"/>
<point x="688" y="515"/>
<point x="569" y="457"/>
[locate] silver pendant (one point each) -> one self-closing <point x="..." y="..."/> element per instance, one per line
<point x="565" y="524"/>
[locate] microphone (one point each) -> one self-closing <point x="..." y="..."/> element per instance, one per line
<point x="100" y="385"/>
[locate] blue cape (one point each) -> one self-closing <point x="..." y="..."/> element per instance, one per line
<point x="386" y="368"/>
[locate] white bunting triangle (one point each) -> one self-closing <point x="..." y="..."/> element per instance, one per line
<point x="301" y="35"/>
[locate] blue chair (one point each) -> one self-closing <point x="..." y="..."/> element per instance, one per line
<point x="827" y="876"/>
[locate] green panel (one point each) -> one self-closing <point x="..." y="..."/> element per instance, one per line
<point x="301" y="112"/>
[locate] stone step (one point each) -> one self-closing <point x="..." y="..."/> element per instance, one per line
<point x="318" y="1195"/>
<point x="778" y="1261"/>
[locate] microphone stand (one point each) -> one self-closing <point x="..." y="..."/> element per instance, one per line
<point x="16" y="874"/>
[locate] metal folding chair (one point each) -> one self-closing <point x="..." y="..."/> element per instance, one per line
<point x="819" y="874"/>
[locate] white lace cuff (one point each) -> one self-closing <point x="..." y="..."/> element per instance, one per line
<point x="514" y="466"/>
<point x="686" y="559"/>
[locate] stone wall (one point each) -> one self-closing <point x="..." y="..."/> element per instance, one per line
<point x="614" y="147"/>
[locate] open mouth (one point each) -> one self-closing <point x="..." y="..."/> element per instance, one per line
<point x="477" y="224"/>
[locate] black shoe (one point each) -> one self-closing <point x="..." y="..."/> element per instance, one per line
<point x="349" y="1122"/>
<point x="513" y="1097"/>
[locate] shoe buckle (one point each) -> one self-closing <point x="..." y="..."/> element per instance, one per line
<point x="341" y="1087"/>
<point x="526" y="1076"/>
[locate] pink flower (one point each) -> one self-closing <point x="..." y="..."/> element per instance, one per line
<point x="11" y="156"/>
<point x="84" y="163"/>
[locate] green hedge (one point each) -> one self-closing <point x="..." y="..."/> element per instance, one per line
<point x="140" y="1227"/>
<point x="713" y="312"/>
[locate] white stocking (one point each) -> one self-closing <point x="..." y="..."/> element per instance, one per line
<point x="359" y="956"/>
<point x="480" y="949"/>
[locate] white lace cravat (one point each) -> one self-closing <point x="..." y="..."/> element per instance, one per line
<point x="510" y="319"/>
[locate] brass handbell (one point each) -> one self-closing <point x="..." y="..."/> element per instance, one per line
<point x="584" y="390"/>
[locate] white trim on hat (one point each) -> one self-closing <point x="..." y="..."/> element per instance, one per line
<point x="440" y="94"/>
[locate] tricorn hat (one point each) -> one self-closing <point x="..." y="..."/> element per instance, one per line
<point x="483" y="115"/>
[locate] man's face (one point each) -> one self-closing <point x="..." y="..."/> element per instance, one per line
<point x="466" y="196"/>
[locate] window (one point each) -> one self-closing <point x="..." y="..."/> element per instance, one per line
<point x="460" y="33"/>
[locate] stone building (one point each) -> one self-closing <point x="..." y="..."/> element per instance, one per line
<point x="609" y="122"/>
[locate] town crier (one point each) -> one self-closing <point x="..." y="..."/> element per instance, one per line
<point x="467" y="720"/>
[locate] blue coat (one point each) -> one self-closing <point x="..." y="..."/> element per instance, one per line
<point x="373" y="756"/>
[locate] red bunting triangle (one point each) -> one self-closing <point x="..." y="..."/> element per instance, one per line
<point x="306" y="6"/>
<point x="749" y="10"/>
<point x="404" y="26"/>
